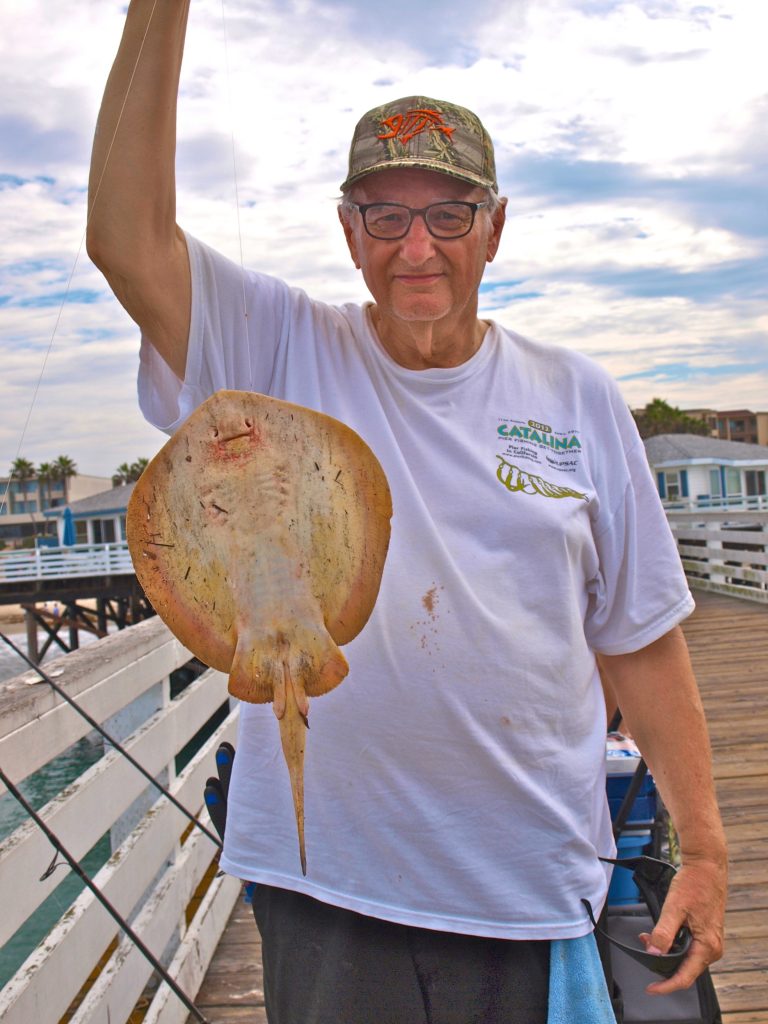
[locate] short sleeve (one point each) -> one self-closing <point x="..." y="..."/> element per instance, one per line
<point x="238" y="319"/>
<point x="640" y="591"/>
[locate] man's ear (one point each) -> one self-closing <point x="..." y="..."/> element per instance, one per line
<point x="498" y="221"/>
<point x="349" y="235"/>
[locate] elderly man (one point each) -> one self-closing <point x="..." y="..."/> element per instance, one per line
<point x="462" y="812"/>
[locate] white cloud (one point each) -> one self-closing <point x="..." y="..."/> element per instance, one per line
<point x="629" y="136"/>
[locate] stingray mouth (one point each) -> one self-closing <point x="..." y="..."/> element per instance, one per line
<point x="237" y="441"/>
<point x="234" y="444"/>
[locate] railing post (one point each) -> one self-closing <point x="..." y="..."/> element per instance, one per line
<point x="33" y="648"/>
<point x="715" y="554"/>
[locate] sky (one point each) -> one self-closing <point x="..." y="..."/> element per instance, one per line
<point x="630" y="140"/>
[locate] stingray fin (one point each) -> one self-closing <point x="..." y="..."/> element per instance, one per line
<point x="251" y="675"/>
<point x="326" y="667"/>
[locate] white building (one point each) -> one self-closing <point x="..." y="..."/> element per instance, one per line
<point x="704" y="472"/>
<point x="23" y="504"/>
<point x="99" y="518"/>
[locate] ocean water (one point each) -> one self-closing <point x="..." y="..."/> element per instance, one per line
<point x="12" y="665"/>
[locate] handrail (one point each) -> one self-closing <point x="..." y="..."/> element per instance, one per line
<point x="735" y="503"/>
<point x="158" y="867"/>
<point x="79" y="560"/>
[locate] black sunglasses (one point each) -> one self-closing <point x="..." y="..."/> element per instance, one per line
<point x="653" y="878"/>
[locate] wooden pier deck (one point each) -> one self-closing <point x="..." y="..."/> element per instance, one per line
<point x="728" y="638"/>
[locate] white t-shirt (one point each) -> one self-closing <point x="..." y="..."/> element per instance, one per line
<point x="455" y="779"/>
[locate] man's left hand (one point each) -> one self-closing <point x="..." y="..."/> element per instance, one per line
<point x="697" y="899"/>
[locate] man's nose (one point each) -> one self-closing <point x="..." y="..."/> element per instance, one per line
<point x="418" y="243"/>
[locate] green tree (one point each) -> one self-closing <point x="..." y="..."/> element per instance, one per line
<point x="45" y="477"/>
<point x="22" y="471"/>
<point x="128" y="473"/>
<point x="122" y="475"/>
<point x="64" y="469"/>
<point x="659" y="417"/>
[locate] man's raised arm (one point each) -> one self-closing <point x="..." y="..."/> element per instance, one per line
<point x="132" y="233"/>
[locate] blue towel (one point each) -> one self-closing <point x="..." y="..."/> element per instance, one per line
<point x="578" y="993"/>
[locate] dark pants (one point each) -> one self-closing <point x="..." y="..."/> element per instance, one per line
<point x="325" y="965"/>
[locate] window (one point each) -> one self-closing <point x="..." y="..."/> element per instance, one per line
<point x="103" y="531"/>
<point x="714" y="483"/>
<point x="755" y="482"/>
<point x="732" y="481"/>
<point x="673" y="485"/>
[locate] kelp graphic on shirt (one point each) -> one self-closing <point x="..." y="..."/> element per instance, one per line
<point x="516" y="479"/>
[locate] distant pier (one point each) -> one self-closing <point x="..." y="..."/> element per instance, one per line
<point x="66" y="578"/>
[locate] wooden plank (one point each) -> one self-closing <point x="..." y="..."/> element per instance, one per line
<point x="732" y="589"/>
<point x="728" y="640"/>
<point x="750" y="923"/>
<point x="742" y="954"/>
<point x="233" y="991"/>
<point x="694" y="553"/>
<point x="743" y="990"/>
<point x="194" y="955"/>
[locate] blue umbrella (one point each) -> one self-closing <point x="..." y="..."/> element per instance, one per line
<point x="68" y="535"/>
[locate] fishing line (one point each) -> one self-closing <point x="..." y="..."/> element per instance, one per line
<point x="54" y="840"/>
<point x="113" y="742"/>
<point x="89" y="211"/>
<point x="234" y="163"/>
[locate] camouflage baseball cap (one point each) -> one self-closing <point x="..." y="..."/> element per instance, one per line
<point x="421" y="132"/>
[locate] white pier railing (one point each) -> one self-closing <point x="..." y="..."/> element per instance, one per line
<point x="161" y="873"/>
<point x="732" y="503"/>
<point x="79" y="560"/>
<point x="724" y="550"/>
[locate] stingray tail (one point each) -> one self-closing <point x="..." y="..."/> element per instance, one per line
<point x="291" y="707"/>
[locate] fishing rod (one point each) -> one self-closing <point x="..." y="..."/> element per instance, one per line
<point x="113" y="742"/>
<point x="88" y="881"/>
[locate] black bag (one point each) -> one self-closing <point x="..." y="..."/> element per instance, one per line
<point x="696" y="1005"/>
<point x="628" y="968"/>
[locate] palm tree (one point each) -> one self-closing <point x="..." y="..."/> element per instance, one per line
<point x="45" y="477"/>
<point x="138" y="467"/>
<point x="128" y="473"/>
<point x="64" y="469"/>
<point x="122" y="475"/>
<point x="23" y="471"/>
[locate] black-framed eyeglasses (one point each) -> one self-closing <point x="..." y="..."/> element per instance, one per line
<point x="390" y="221"/>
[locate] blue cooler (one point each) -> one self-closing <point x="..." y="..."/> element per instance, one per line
<point x="644" y="808"/>
<point x="622" y="889"/>
<point x="622" y="760"/>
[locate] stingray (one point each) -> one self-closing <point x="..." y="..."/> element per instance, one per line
<point x="259" y="534"/>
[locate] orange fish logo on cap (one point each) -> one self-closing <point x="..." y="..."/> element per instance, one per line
<point x="413" y="122"/>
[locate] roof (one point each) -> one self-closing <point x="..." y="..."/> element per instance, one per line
<point x="687" y="447"/>
<point x="113" y="501"/>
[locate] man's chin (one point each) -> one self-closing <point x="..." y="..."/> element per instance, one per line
<point x="420" y="310"/>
